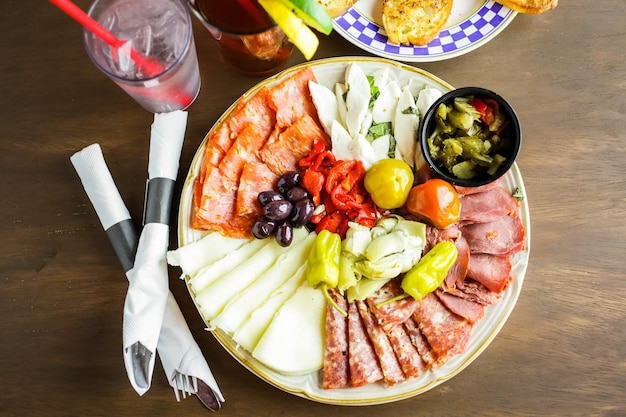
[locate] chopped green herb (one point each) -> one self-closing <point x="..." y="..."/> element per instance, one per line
<point x="517" y="194"/>
<point x="377" y="130"/>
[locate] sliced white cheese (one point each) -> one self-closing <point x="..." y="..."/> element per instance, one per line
<point x="212" y="272"/>
<point x="380" y="146"/>
<point x="195" y="255"/>
<point x="340" y="92"/>
<point x="405" y="126"/>
<point x="362" y="150"/>
<point x="325" y="104"/>
<point x="213" y="298"/>
<point x="250" y="332"/>
<point x="384" y="107"/>
<point x="293" y="343"/>
<point x="426" y="98"/>
<point x="242" y="305"/>
<point x="340" y="140"/>
<point x="357" y="98"/>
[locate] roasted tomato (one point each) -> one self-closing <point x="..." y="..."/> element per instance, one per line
<point x="436" y="202"/>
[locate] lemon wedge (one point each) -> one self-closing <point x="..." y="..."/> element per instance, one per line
<point x="294" y="27"/>
<point x="312" y="13"/>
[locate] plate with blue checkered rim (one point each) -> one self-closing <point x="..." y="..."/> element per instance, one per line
<point x="471" y="25"/>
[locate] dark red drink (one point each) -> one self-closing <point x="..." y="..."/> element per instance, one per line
<point x="248" y="38"/>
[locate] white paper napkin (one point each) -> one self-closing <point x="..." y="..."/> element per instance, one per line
<point x="147" y="293"/>
<point x="178" y="351"/>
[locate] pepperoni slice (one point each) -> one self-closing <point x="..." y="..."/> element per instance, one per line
<point x="285" y="148"/>
<point x="291" y="99"/>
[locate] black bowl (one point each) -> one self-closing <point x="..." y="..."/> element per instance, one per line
<point x="427" y="167"/>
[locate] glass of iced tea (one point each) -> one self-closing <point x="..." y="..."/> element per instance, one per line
<point x="248" y="38"/>
<point x="159" y="30"/>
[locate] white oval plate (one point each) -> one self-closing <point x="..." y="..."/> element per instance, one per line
<point x="472" y="23"/>
<point x="329" y="72"/>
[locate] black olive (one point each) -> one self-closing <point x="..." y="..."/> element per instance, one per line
<point x="296" y="194"/>
<point x="263" y="228"/>
<point x="284" y="234"/>
<point x="302" y="212"/>
<point x="277" y="210"/>
<point x="265" y="197"/>
<point x="288" y="180"/>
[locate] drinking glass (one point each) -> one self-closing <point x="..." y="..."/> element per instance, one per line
<point x="246" y="35"/>
<point x="160" y="30"/>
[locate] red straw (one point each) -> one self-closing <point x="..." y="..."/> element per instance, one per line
<point x="150" y="66"/>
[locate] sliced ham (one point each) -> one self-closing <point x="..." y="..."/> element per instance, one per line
<point x="480" y="189"/>
<point x="458" y="272"/>
<point x="503" y="237"/>
<point x="364" y="366"/>
<point x="392" y="372"/>
<point x="469" y="310"/>
<point x="487" y="206"/>
<point x="336" y="370"/>
<point x="395" y="312"/>
<point x="447" y="333"/>
<point x="475" y="291"/>
<point x="494" y="272"/>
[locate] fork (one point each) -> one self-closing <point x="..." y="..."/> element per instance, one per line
<point x="192" y="385"/>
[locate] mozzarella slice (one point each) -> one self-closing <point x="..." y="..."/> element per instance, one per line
<point x="406" y="123"/>
<point x="325" y="103"/>
<point x="385" y="105"/>
<point x="357" y="98"/>
<point x="340" y="140"/>
<point x="426" y="98"/>
<point x="293" y="343"/>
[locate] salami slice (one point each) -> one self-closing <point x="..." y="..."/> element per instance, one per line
<point x="336" y="371"/>
<point x="427" y="355"/>
<point x="392" y="372"/>
<point x="458" y="272"/>
<point x="446" y="332"/>
<point x="393" y="313"/>
<point x="407" y="354"/>
<point x="364" y="366"/>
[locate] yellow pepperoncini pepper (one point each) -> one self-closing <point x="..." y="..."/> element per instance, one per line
<point x="322" y="269"/>
<point x="430" y="271"/>
<point x="389" y="181"/>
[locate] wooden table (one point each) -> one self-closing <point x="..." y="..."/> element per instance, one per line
<point x="562" y="351"/>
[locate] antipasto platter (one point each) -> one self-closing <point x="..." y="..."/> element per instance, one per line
<point x="328" y="72"/>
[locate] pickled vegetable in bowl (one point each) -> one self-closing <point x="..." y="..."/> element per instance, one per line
<point x="470" y="137"/>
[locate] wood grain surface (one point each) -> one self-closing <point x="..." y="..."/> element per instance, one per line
<point x="562" y="351"/>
